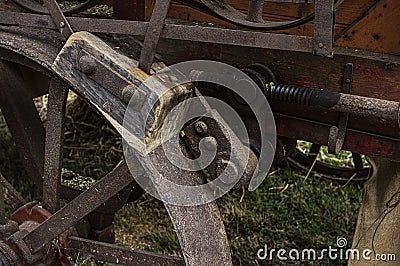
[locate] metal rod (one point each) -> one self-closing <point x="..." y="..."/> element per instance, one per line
<point x="170" y="31"/>
<point x="121" y="255"/>
<point x="153" y="34"/>
<point x="324" y="27"/>
<point x="79" y="207"/>
<point x="58" y="17"/>
<point x="58" y="93"/>
<point x="341" y="102"/>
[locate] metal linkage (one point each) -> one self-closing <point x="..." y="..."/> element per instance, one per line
<point x="170" y="31"/>
<point x="58" y="17"/>
<point x="324" y="27"/>
<point x="338" y="133"/>
<point x="153" y="34"/>
<point x="341" y="102"/>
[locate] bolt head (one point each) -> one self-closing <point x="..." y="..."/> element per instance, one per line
<point x="62" y="24"/>
<point x="347" y="80"/>
<point x="320" y="45"/>
<point x="87" y="64"/>
<point x="201" y="128"/>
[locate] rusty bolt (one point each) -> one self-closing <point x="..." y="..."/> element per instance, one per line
<point x="210" y="143"/>
<point x="87" y="64"/>
<point x="230" y="169"/>
<point x="201" y="128"/>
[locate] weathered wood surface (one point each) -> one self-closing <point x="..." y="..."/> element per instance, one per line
<point x="143" y="124"/>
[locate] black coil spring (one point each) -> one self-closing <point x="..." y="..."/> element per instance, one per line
<point x="289" y="94"/>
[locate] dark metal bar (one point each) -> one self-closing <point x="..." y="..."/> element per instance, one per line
<point x="341" y="102"/>
<point x="58" y="17"/>
<point x="78" y="208"/>
<point x="238" y="37"/>
<point x="22" y="119"/>
<point x="324" y="27"/>
<point x="153" y="34"/>
<point x="170" y="31"/>
<point x="121" y="255"/>
<point x="58" y="93"/>
<point x="255" y="10"/>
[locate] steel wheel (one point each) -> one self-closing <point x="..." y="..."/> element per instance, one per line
<point x="253" y="18"/>
<point x="51" y="228"/>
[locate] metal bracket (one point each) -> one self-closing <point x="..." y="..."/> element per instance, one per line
<point x="58" y="17"/>
<point x="338" y="133"/>
<point x="324" y="27"/>
<point x="105" y="77"/>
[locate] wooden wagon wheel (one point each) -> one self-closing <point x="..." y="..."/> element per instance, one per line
<point x="50" y="234"/>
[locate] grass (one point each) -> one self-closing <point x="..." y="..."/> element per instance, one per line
<point x="287" y="211"/>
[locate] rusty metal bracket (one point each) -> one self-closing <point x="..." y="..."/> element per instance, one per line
<point x="58" y="17"/>
<point x="338" y="133"/>
<point x="324" y="27"/>
<point x="153" y="34"/>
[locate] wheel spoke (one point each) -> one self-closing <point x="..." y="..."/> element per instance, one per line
<point x="22" y="120"/>
<point x="79" y="207"/>
<point x="58" y="93"/>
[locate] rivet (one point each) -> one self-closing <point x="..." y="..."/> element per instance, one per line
<point x="62" y="24"/>
<point x="320" y="45"/>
